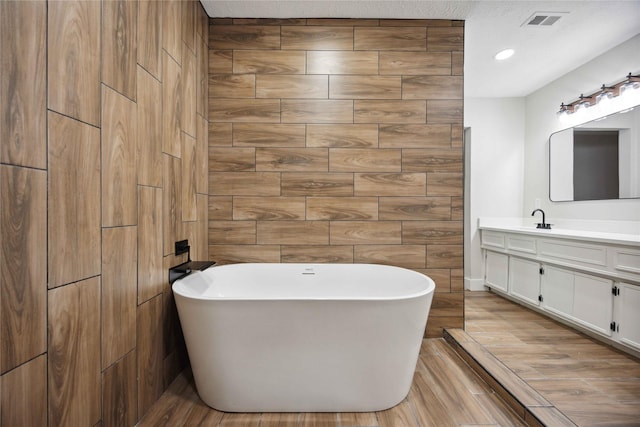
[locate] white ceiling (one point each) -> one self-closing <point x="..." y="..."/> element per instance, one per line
<point x="543" y="54"/>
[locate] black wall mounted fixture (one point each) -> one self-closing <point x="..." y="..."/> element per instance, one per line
<point x="181" y="270"/>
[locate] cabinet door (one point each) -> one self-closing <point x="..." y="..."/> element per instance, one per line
<point x="524" y="279"/>
<point x="593" y="302"/>
<point x="629" y="318"/>
<point x="497" y="270"/>
<point x="557" y="290"/>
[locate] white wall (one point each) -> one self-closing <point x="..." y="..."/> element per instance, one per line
<point x="542" y="121"/>
<point x="495" y="175"/>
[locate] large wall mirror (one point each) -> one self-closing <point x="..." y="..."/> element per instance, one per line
<point x="598" y="160"/>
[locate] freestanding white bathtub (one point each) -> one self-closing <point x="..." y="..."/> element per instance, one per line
<point x="303" y="337"/>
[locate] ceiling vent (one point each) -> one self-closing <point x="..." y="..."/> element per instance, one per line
<point x="543" y="19"/>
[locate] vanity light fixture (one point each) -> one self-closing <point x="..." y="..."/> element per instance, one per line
<point x="608" y="92"/>
<point x="504" y="54"/>
<point x="566" y="109"/>
<point x="585" y="101"/>
<point x="603" y="95"/>
<point x="631" y="82"/>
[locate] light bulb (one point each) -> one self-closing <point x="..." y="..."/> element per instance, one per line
<point x="563" y="117"/>
<point x="629" y="97"/>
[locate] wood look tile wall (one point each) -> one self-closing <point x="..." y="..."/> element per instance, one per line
<point x="103" y="165"/>
<point x="339" y="140"/>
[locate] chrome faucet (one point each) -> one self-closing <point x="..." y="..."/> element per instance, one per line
<point x="542" y="224"/>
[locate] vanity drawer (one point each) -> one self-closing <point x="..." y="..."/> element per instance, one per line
<point x="521" y="244"/>
<point x="627" y="260"/>
<point x="573" y="253"/>
<point x="493" y="240"/>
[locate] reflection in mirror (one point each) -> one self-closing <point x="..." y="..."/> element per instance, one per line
<point x="598" y="160"/>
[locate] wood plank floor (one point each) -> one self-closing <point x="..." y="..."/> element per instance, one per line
<point x="445" y="392"/>
<point x="591" y="383"/>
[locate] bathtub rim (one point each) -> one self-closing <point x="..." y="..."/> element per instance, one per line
<point x="180" y="286"/>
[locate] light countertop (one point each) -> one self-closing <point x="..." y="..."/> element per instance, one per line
<point x="514" y="225"/>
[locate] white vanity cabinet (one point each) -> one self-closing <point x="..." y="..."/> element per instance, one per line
<point x="524" y="278"/>
<point x="593" y="302"/>
<point x="592" y="285"/>
<point x="558" y="287"/>
<point x="497" y="270"/>
<point x="627" y="323"/>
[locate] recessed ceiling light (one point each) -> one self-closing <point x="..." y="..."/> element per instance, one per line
<point x="504" y="54"/>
